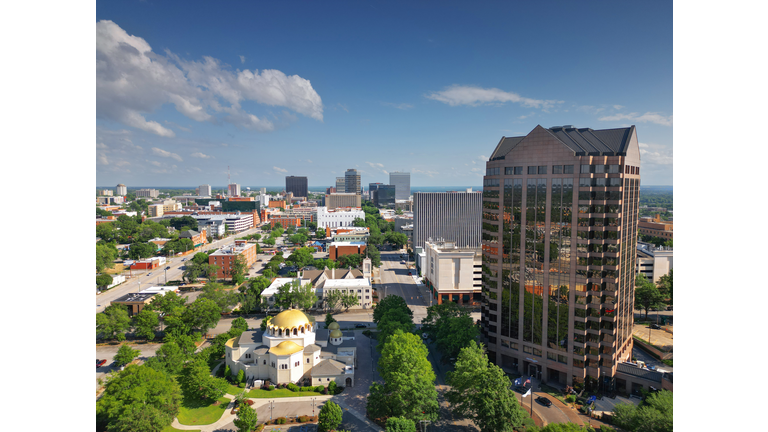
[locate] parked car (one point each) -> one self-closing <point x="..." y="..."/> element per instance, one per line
<point x="655" y="327"/>
<point x="168" y="268"/>
<point x="100" y="363"/>
<point x="544" y="401"/>
<point x="402" y="262"/>
<point x="149" y="274"/>
<point x="360" y="325"/>
<point x="409" y="274"/>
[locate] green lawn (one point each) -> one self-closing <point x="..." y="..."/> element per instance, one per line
<point x="194" y="412"/>
<point x="170" y="428"/>
<point x="279" y="393"/>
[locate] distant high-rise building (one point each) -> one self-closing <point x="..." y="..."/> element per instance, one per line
<point x="143" y="193"/>
<point x="205" y="190"/>
<point x="234" y="190"/>
<point x="339" y="184"/>
<point x="352" y="182"/>
<point x="297" y="185"/>
<point x="402" y="183"/>
<point x="336" y="200"/>
<point x="372" y="189"/>
<point x="105" y="192"/>
<point x="384" y="196"/>
<point x="447" y="217"/>
<point x="122" y="190"/>
<point x="560" y="223"/>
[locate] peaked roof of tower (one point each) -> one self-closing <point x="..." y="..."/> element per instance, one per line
<point x="582" y="141"/>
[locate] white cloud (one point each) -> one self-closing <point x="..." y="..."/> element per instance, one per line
<point x="655" y="154"/>
<point x="309" y="160"/>
<point x="648" y="117"/>
<point x="242" y="59"/>
<point x="483" y="158"/>
<point x="618" y="107"/>
<point x="133" y="81"/>
<point x="279" y="169"/>
<point x="200" y="155"/>
<point x="473" y="96"/>
<point x="426" y="172"/>
<point x="163" y="153"/>
<point x="101" y="159"/>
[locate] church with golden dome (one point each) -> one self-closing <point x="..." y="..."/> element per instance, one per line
<point x="294" y="350"/>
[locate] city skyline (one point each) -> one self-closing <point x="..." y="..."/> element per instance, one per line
<point x="425" y="90"/>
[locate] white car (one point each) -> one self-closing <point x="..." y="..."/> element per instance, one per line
<point x="402" y="262"/>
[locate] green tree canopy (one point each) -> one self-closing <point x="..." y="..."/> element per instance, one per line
<point x="145" y="323"/>
<point x="103" y="280"/>
<point x="202" y="314"/>
<point x="481" y="391"/>
<point x="139" y="250"/>
<point x="387" y="303"/>
<point x="653" y="415"/>
<point x="400" y="424"/>
<point x="169" y="358"/>
<point x="106" y="253"/>
<point x="125" y="355"/>
<point x="665" y="285"/>
<point x="246" y="420"/>
<point x="301" y="257"/>
<point x="184" y="221"/>
<point x="329" y="417"/>
<point x="409" y="382"/>
<point x="113" y="322"/>
<point x="450" y="326"/>
<point x="351" y="260"/>
<point x="196" y="381"/>
<point x="200" y="258"/>
<point x="647" y="296"/>
<point x="138" y="387"/>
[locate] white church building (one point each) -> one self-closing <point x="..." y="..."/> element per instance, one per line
<point x="294" y="350"/>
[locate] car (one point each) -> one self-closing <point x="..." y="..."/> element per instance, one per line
<point x="168" y="268"/>
<point x="402" y="262"/>
<point x="410" y="274"/>
<point x="149" y="274"/>
<point x="183" y="259"/>
<point x="360" y="325"/>
<point x="669" y="308"/>
<point x="655" y="327"/>
<point x="100" y="363"/>
<point x="544" y="401"/>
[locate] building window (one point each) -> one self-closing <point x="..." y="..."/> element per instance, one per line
<point x="543" y="169"/>
<point x="557" y="169"/>
<point x="265" y="362"/>
<point x="532" y="170"/>
<point x="567" y="169"/>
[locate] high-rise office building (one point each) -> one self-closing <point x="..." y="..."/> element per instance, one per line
<point x="234" y="190"/>
<point x="122" y="190"/>
<point x="402" y="183"/>
<point x="352" y="182"/>
<point x="205" y="190"/>
<point x="297" y="185"/>
<point x="340" y="185"/>
<point x="384" y="196"/>
<point x="372" y="189"/>
<point x="447" y="217"/>
<point x="560" y="210"/>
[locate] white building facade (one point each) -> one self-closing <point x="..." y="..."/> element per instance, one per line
<point x="335" y="218"/>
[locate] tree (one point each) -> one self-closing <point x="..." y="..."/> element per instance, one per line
<point x="329" y="417"/>
<point x="351" y="260"/>
<point x="647" y="296"/>
<point x="665" y="285"/>
<point x="237" y="269"/>
<point x="320" y="233"/>
<point x="409" y="382"/>
<point x="451" y="326"/>
<point x="138" y="416"/>
<point x="169" y="358"/>
<point x="387" y="303"/>
<point x="329" y="319"/>
<point x="333" y="299"/>
<point x="200" y="258"/>
<point x="211" y="271"/>
<point x="349" y="300"/>
<point x="396" y="239"/>
<point x="196" y="381"/>
<point x="178" y="245"/>
<point x="125" y="355"/>
<point x="304" y="296"/>
<point x="202" y="314"/>
<point x="139" y="250"/>
<point x="223" y="298"/>
<point x="145" y="323"/>
<point x="247" y="419"/>
<point x="239" y="323"/>
<point x="653" y="415"/>
<point x="269" y="241"/>
<point x="103" y="280"/>
<point x="265" y="322"/>
<point x="105" y="254"/>
<point x="143" y="387"/>
<point x="193" y="271"/>
<point x="393" y="321"/>
<point x="374" y="254"/>
<point x="481" y="391"/>
<point x="301" y="257"/>
<point x="113" y="322"/>
<point x="185" y="221"/>
<point x="298" y="239"/>
<point x="400" y="424"/>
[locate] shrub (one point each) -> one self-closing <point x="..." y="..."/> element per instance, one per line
<point x="241" y="376"/>
<point x="319" y="389"/>
<point x="332" y="387"/>
<point x="241" y="385"/>
<point x="271" y="387"/>
<point x="570" y="398"/>
<point x="293" y="387"/>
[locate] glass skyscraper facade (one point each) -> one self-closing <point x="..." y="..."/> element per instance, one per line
<point x="559" y="233"/>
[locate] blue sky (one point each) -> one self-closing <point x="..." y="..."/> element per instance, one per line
<point x="313" y="88"/>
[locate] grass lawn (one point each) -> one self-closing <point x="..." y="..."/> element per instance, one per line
<point x="170" y="428"/>
<point x="195" y="412"/>
<point x="235" y="390"/>
<point x="279" y="393"/>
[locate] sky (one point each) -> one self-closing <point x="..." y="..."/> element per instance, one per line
<point x="271" y="89"/>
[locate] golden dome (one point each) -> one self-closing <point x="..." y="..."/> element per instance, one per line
<point x="289" y="319"/>
<point x="333" y="326"/>
<point x="335" y="333"/>
<point x="286" y="348"/>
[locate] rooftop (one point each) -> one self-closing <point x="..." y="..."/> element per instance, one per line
<point x="582" y="141"/>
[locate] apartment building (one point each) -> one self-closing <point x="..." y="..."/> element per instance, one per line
<point x="559" y="235"/>
<point x="225" y="257"/>
<point x="147" y="193"/>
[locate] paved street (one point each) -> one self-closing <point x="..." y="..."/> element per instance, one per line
<point x="137" y="279"/>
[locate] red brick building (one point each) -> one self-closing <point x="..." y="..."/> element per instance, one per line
<point x="337" y="249"/>
<point x="223" y="258"/>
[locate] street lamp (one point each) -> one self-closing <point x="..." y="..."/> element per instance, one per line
<point x="271" y="407"/>
<point x="423" y="424"/>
